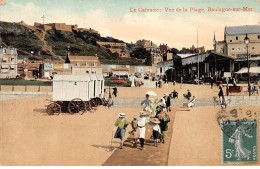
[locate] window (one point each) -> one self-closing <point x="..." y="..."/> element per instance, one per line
<point x="94" y="64"/>
<point x="230" y="41"/>
<point x="12" y="59"/>
<point x="238" y="48"/>
<point x="253" y="48"/>
<point x="233" y="49"/>
<point x="236" y="37"/>
<point x="87" y="65"/>
<point x="78" y="64"/>
<point x="258" y="36"/>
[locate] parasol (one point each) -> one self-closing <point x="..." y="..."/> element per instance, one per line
<point x="151" y="93"/>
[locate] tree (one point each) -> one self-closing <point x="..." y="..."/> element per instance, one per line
<point x="140" y="53"/>
<point x="174" y="51"/>
<point x="185" y="50"/>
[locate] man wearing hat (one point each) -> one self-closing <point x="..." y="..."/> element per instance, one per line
<point x="141" y="122"/>
<point x="121" y="124"/>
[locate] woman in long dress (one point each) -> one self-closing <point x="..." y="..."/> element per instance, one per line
<point x="121" y="125"/>
<point x="237" y="138"/>
<point x="141" y="123"/>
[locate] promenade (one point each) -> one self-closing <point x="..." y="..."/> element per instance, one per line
<point x="149" y="156"/>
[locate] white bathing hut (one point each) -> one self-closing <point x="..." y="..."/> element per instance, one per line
<point x="85" y="87"/>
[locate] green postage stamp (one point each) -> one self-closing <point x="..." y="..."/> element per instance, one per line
<point x="239" y="141"/>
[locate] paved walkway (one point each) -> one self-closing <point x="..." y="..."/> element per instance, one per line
<point x="149" y="156"/>
<point x="205" y="102"/>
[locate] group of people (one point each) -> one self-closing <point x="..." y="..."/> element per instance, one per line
<point x="154" y="115"/>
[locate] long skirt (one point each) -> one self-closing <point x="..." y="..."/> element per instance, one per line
<point x="141" y="132"/>
<point x="156" y="134"/>
<point x="120" y="133"/>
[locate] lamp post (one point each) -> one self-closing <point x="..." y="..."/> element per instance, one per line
<point x="248" y="65"/>
<point x="198" y="55"/>
<point x="214" y="44"/>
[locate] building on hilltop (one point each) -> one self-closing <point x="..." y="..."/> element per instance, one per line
<point x="8" y="62"/>
<point x="163" y="48"/>
<point x="111" y="44"/>
<point x="117" y="49"/>
<point x="56" y="26"/>
<point x="147" y="44"/>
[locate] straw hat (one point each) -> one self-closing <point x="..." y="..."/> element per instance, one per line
<point x="155" y="120"/>
<point x="121" y="114"/>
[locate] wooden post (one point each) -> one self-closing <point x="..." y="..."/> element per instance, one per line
<point x="0" y="88"/>
<point x="12" y="88"/>
<point x="39" y="89"/>
<point x="25" y="88"/>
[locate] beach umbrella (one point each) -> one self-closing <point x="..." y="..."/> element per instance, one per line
<point x="151" y="93"/>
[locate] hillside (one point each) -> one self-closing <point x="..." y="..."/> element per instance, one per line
<point x="53" y="44"/>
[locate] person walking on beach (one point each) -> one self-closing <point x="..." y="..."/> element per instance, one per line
<point x="167" y="102"/>
<point x="156" y="84"/>
<point x="121" y="124"/>
<point x="156" y="130"/>
<point x="181" y="82"/>
<point x="147" y="103"/>
<point x="134" y="131"/>
<point x="115" y="91"/>
<point x="166" y="82"/>
<point x="164" y="120"/>
<point x="141" y="123"/>
<point x="221" y="95"/>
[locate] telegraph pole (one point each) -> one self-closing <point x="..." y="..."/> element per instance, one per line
<point x="43" y="17"/>
<point x="198" y="54"/>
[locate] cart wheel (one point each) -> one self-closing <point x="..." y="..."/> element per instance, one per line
<point x="93" y="103"/>
<point x="77" y="106"/>
<point x="53" y="108"/>
<point x="104" y="102"/>
<point x="88" y="106"/>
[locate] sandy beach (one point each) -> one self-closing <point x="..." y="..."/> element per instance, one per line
<point x="30" y="137"/>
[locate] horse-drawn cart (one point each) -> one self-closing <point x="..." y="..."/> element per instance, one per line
<point x="76" y="93"/>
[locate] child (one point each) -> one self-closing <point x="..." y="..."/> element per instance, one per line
<point x="156" y="130"/>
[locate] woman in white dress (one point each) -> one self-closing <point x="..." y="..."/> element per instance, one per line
<point x="141" y="123"/>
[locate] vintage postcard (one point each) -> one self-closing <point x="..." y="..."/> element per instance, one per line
<point x="129" y="82"/>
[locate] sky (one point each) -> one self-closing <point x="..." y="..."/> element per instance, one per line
<point x="113" y="18"/>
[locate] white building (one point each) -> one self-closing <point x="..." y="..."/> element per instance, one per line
<point x="8" y="62"/>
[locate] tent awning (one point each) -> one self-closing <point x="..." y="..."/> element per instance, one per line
<point x="251" y="70"/>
